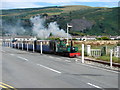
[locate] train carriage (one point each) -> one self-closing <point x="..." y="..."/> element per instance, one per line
<point x="49" y="46"/>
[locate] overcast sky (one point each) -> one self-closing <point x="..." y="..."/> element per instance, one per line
<point x="13" y="4"/>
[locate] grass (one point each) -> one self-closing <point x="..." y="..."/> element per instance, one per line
<point x="104" y="58"/>
<point x="107" y="58"/>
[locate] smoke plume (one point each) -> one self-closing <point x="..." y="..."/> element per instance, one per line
<point x="12" y="27"/>
<point x="42" y="32"/>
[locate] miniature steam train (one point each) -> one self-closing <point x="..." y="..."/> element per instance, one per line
<point x="48" y="46"/>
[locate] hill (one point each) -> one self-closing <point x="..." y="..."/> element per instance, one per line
<point x="84" y="19"/>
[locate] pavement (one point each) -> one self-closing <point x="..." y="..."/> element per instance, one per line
<point x="22" y="69"/>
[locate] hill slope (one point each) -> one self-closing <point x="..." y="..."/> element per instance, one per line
<point x="84" y="19"/>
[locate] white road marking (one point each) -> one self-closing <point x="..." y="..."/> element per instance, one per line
<point x="76" y="60"/>
<point x="93" y="85"/>
<point x="2" y="50"/>
<point x="22" y="58"/>
<point x="50" y="68"/>
<point x="12" y="54"/>
<point x="98" y="68"/>
<point x="59" y="58"/>
<point x="51" y="57"/>
<point x="69" y="58"/>
<point x="67" y="61"/>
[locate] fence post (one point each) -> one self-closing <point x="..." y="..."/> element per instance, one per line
<point x="82" y="53"/>
<point x="111" y="52"/>
<point x="89" y="50"/>
<point x="41" y="47"/>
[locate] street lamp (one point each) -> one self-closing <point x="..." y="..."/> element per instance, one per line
<point x="67" y="32"/>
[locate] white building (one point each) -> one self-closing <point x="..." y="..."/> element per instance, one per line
<point x="25" y="38"/>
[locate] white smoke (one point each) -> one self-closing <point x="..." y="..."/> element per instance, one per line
<point x="42" y="32"/>
<point x="13" y="29"/>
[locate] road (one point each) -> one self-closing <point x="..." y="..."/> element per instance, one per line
<point x="22" y="69"/>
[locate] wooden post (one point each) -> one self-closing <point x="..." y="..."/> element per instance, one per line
<point x="82" y="53"/>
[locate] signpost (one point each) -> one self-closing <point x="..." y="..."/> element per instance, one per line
<point x="68" y="32"/>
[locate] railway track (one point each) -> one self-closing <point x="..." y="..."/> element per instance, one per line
<point x="102" y="62"/>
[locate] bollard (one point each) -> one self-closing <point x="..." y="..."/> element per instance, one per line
<point x="14" y="45"/>
<point x="9" y="44"/>
<point x="18" y="45"/>
<point x="33" y="47"/>
<point x="22" y="46"/>
<point x="111" y="52"/>
<point x="41" y="47"/>
<point x="27" y="46"/>
<point x="82" y="53"/>
<point x="89" y="50"/>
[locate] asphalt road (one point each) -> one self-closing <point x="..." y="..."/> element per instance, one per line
<point x="22" y="69"/>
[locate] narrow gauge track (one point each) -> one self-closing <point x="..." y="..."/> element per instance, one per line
<point x="104" y="62"/>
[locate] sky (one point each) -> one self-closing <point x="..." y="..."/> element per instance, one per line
<point x="15" y="4"/>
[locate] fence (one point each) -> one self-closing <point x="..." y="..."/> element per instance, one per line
<point x="95" y="52"/>
<point x="116" y="51"/>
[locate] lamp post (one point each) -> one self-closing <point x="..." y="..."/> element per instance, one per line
<point x="67" y="32"/>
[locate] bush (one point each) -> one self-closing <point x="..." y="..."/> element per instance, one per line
<point x="103" y="38"/>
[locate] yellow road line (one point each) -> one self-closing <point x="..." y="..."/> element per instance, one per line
<point x="3" y="85"/>
<point x="6" y="85"/>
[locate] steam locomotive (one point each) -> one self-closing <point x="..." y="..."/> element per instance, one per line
<point x="48" y="46"/>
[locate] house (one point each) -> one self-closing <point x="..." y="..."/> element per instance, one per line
<point x="114" y="37"/>
<point x="24" y="38"/>
<point x="84" y="38"/>
<point x="77" y="37"/>
<point x="19" y="38"/>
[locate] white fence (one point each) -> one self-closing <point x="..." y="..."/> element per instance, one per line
<point x="95" y="52"/>
<point x="116" y="51"/>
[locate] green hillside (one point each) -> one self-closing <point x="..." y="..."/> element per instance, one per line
<point x="84" y="19"/>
